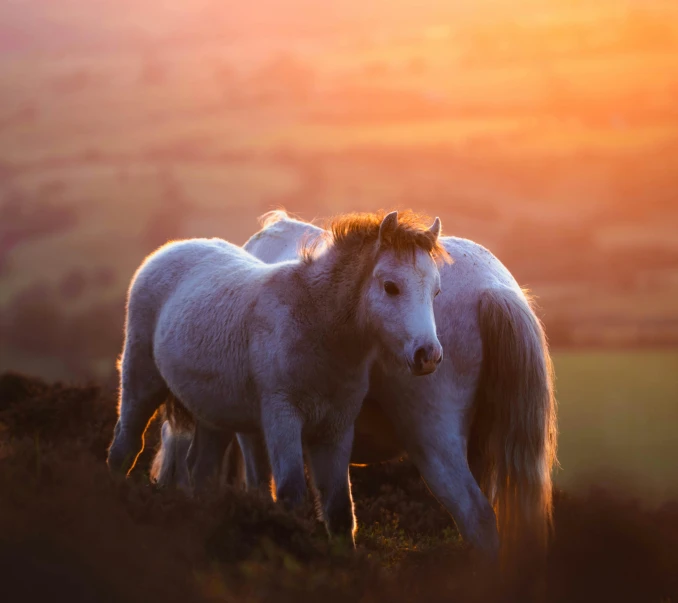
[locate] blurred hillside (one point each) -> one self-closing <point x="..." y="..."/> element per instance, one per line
<point x="547" y="133"/>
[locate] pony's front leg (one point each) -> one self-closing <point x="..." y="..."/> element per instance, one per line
<point x="206" y="455"/>
<point x="329" y="463"/>
<point x="282" y="427"/>
<point x="255" y="457"/>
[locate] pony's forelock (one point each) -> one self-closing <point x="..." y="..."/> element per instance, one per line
<point x="350" y="230"/>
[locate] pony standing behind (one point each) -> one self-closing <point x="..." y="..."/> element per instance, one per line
<point x="282" y="349"/>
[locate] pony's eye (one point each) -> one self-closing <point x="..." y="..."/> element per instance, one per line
<point x="437" y="293"/>
<point x="391" y="288"/>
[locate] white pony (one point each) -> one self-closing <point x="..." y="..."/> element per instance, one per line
<point x="281" y="349"/>
<point x="481" y="430"/>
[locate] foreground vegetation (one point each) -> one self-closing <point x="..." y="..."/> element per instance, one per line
<point x="68" y="531"/>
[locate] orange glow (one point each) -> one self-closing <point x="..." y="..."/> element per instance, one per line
<point x="549" y="126"/>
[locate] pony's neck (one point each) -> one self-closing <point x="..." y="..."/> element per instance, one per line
<point x="335" y="283"/>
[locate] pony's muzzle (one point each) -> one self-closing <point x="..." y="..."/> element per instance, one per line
<point x="426" y="359"/>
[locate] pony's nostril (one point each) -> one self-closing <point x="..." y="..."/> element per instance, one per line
<point x="420" y="356"/>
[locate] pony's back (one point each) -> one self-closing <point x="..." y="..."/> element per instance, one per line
<point x="189" y="272"/>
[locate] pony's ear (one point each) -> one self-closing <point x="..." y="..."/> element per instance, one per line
<point x="388" y="226"/>
<point x="434" y="229"/>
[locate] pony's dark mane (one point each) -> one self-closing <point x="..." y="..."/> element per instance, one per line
<point x="350" y="232"/>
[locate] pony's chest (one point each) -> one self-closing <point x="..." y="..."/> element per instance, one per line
<point x="335" y="402"/>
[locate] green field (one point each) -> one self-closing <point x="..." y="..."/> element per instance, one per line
<point x="618" y="416"/>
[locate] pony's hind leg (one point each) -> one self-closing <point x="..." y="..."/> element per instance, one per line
<point x="206" y="455"/>
<point x="446" y="472"/>
<point x="329" y="463"/>
<point x="142" y="391"/>
<point x="437" y="446"/>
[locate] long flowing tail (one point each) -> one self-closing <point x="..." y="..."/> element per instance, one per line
<point x="513" y="435"/>
<point x="169" y="464"/>
<point x="169" y="467"/>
